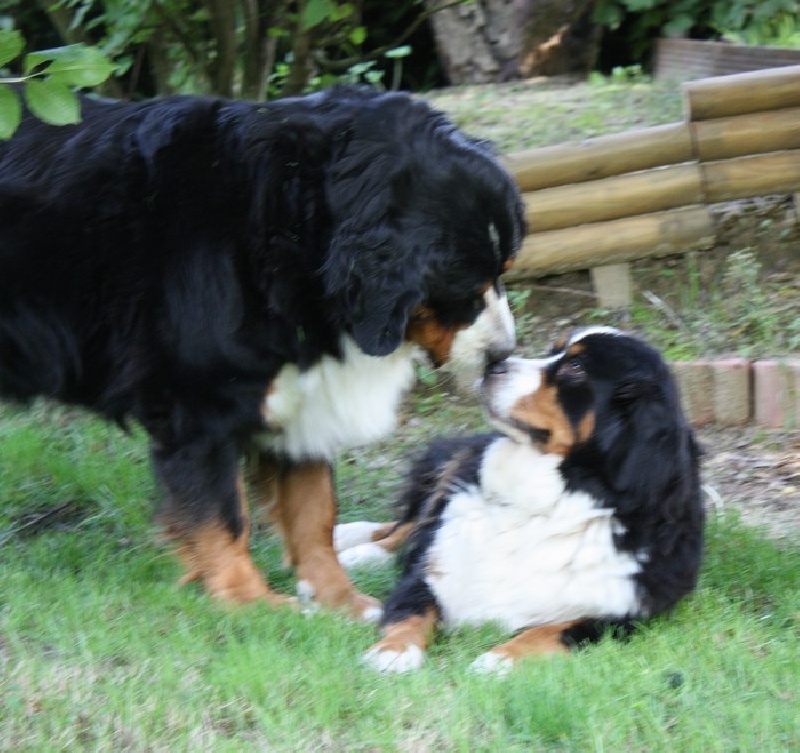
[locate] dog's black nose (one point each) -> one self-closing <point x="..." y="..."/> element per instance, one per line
<point x="499" y="366"/>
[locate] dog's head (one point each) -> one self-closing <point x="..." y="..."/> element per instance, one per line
<point x="424" y="222"/>
<point x="599" y="389"/>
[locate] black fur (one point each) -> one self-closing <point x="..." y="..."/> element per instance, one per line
<point x="641" y="460"/>
<point x="161" y="261"/>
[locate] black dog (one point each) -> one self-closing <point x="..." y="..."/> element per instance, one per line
<point x="248" y="279"/>
<point x="582" y="515"/>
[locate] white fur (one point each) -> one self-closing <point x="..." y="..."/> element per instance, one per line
<point x="336" y="404"/>
<point x="492" y="330"/>
<point x="395" y="662"/>
<point x="523" y="551"/>
<point x="492" y="663"/>
<point x="363" y="555"/>
<point x="348" y="535"/>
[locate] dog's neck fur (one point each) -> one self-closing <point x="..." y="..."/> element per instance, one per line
<point x="337" y="403"/>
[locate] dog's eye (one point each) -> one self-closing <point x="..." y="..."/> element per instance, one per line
<point x="571" y="369"/>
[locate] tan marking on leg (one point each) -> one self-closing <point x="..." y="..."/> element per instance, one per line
<point x="222" y="562"/>
<point x="392" y="536"/>
<point x="412" y="631"/>
<point x="224" y="566"/>
<point x="302" y="505"/>
<point x="537" y="641"/>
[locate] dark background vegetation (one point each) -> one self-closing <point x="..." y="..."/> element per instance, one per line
<point x="265" y="48"/>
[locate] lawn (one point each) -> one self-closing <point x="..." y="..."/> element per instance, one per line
<point x="101" y="650"/>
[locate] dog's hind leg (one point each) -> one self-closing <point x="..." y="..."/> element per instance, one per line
<point x="205" y="514"/>
<point x="367" y="544"/>
<point x="301" y="502"/>
<point x="537" y="641"/>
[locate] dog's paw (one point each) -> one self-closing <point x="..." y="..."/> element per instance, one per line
<point x="349" y="535"/>
<point x="389" y="661"/>
<point x="492" y="663"/>
<point x="364" y="555"/>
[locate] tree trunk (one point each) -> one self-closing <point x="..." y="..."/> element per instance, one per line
<point x="478" y="42"/>
<point x="489" y="41"/>
<point x="558" y="38"/>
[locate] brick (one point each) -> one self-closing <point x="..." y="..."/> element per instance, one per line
<point x="731" y="397"/>
<point x="695" y="385"/>
<point x="776" y="394"/>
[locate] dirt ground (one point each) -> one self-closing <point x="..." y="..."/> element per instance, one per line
<point x="757" y="472"/>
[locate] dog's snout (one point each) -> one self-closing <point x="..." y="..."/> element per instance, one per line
<point x="497" y="353"/>
<point x="497" y="366"/>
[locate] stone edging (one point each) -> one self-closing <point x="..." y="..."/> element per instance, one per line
<point x="738" y="392"/>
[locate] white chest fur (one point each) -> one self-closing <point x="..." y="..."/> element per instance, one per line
<point x="521" y="551"/>
<point x="339" y="403"/>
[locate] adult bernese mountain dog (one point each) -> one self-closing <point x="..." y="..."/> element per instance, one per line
<point x="581" y="515"/>
<point x="249" y="280"/>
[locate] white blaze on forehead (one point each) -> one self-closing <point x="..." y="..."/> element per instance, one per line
<point x="587" y="331"/>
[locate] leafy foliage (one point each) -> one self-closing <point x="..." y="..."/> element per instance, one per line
<point x="47" y="81"/>
<point x="765" y="22"/>
<point x="255" y="49"/>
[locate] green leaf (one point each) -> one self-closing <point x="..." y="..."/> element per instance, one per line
<point x="10" y="112"/>
<point x="316" y="12"/>
<point x="90" y="68"/>
<point x="52" y="101"/>
<point x="399" y="52"/>
<point x="11" y="44"/>
<point x="342" y="11"/>
<point x="358" y="35"/>
<point x="74" y="64"/>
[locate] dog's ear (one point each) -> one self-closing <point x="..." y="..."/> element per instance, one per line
<point x="649" y="447"/>
<point x="374" y="271"/>
<point x="373" y="283"/>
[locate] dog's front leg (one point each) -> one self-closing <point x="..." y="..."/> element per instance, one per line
<point x="402" y="647"/>
<point x="411" y="615"/>
<point x="205" y="513"/>
<point x="301" y="502"/>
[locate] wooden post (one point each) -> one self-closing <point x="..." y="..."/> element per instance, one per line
<point x="613" y="285"/>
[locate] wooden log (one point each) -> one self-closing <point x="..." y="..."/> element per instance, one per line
<point x="601" y="243"/>
<point x="613" y="198"/>
<point x="579" y="161"/>
<point x="757" y="175"/>
<point x="739" y="135"/>
<point x="755" y="91"/>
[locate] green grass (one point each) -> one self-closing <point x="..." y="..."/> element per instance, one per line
<point x="521" y="116"/>
<point x="100" y="650"/>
